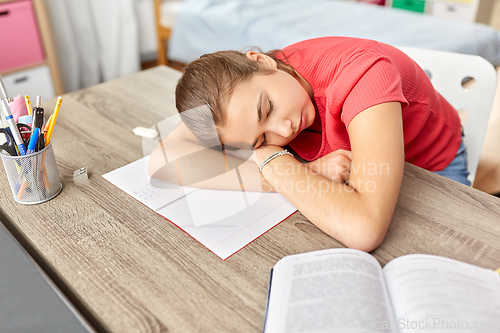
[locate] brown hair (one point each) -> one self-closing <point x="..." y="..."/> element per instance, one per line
<point x="207" y="85"/>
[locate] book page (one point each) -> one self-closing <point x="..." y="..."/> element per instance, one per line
<point x="335" y="290"/>
<point x="437" y="294"/>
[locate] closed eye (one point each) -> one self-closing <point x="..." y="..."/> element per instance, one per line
<point x="264" y="141"/>
<point x="271" y="109"/>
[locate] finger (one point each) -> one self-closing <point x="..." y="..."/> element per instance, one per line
<point x="343" y="152"/>
<point x="344" y="162"/>
<point x="346" y="175"/>
<point x="347" y="153"/>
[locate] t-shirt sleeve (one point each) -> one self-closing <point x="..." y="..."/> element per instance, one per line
<point x="380" y="83"/>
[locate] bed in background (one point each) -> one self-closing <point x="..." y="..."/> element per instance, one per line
<point x="204" y="26"/>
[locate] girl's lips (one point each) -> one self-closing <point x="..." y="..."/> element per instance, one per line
<point x="299" y="126"/>
<point x="302" y="123"/>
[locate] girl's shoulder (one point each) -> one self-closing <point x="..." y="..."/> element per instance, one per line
<point x="321" y="61"/>
<point x="337" y="43"/>
<point x="335" y="53"/>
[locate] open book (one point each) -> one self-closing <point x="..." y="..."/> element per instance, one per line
<point x="345" y="290"/>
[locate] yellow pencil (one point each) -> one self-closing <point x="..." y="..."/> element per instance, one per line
<point x="46" y="128"/>
<point x="28" y="104"/>
<point x="53" y="120"/>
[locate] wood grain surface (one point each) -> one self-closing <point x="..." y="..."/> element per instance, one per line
<point x="137" y="272"/>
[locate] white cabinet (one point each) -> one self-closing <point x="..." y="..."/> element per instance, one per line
<point x="461" y="10"/>
<point x="452" y="10"/>
<point x="32" y="82"/>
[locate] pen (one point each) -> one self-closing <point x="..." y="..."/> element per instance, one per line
<point x="52" y="123"/>
<point x="33" y="141"/>
<point x="28" y="104"/>
<point x="10" y="120"/>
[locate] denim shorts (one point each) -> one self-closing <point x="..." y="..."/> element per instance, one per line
<point x="457" y="169"/>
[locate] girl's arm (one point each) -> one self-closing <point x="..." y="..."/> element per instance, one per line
<point x="200" y="167"/>
<point x="181" y="159"/>
<point x="357" y="214"/>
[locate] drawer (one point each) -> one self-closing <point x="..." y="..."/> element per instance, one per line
<point x="460" y="1"/>
<point x="31" y="82"/>
<point x="20" y="41"/>
<point x="453" y="10"/>
<point x="413" y="5"/>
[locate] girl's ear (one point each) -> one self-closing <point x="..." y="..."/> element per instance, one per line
<point x="262" y="58"/>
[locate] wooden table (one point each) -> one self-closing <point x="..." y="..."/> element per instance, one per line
<point x="129" y="270"/>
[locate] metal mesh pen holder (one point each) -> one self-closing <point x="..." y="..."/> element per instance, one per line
<point x="33" y="178"/>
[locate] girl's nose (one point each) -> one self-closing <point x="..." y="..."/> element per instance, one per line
<point x="285" y="128"/>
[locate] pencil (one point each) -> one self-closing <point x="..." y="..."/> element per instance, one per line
<point x="22" y="189"/>
<point x="53" y="121"/>
<point x="46" y="128"/>
<point x="28" y="104"/>
<point x="45" y="178"/>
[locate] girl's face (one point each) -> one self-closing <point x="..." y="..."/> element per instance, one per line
<point x="268" y="109"/>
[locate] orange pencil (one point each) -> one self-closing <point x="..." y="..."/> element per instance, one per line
<point x="53" y="120"/>
<point x="22" y="188"/>
<point x="45" y="178"/>
<point x="46" y="128"/>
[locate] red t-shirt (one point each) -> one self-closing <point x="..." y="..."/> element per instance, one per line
<point x="349" y="75"/>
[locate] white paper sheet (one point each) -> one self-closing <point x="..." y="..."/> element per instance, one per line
<point x="223" y="221"/>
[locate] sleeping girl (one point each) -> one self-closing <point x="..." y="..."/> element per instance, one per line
<point x="326" y="122"/>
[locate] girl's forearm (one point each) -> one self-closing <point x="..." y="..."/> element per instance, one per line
<point x="201" y="167"/>
<point x="181" y="159"/>
<point x="338" y="209"/>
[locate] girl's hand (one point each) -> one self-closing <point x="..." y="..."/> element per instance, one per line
<point x="335" y="166"/>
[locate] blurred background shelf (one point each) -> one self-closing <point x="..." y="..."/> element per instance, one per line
<point x="28" y="61"/>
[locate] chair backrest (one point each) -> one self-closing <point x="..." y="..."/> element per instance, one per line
<point x="448" y="71"/>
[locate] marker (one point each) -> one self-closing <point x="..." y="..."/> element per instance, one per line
<point x="33" y="141"/>
<point x="10" y="120"/>
<point x="52" y="123"/>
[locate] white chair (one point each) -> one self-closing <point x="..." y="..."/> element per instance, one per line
<point x="448" y="71"/>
